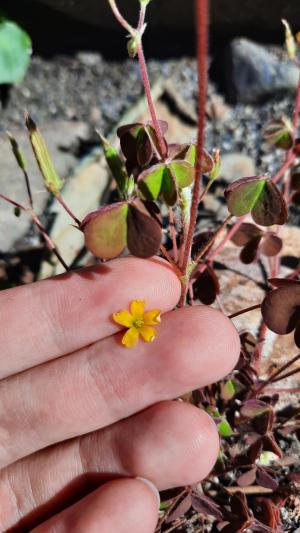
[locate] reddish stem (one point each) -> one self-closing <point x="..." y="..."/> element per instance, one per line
<point x="146" y="83"/>
<point x="202" y="7"/>
<point x="173" y="234"/>
<point x="48" y="240"/>
<point x="166" y="254"/>
<point x="297" y="110"/>
<point x="242" y="311"/>
<point x="287" y="375"/>
<point x="120" y="17"/>
<point x="294" y="274"/>
<point x="15" y="204"/>
<point x="203" y="250"/>
<point x="60" y="199"/>
<point x="277" y="373"/>
<point x="40" y="227"/>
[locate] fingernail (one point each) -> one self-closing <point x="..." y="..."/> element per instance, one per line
<point x="152" y="487"/>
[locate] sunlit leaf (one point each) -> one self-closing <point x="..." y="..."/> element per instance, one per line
<point x="259" y="196"/>
<point x="183" y="172"/>
<point x="105" y="230"/>
<point x="279" y="133"/>
<point x="150" y="181"/>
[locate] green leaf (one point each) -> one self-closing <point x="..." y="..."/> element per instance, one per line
<point x="150" y="181"/>
<point x="228" y="390"/>
<point x="105" y="230"/>
<point x="259" y="196"/>
<point x="225" y="428"/>
<point x="52" y="181"/>
<point x="15" y="52"/>
<point x="169" y="187"/>
<point x="115" y="164"/>
<point x="184" y="173"/>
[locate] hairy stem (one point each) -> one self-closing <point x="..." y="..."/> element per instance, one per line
<point x="146" y="83"/>
<point x="173" y="234"/>
<point x="202" y="7"/>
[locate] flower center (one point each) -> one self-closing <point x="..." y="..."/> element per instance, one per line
<point x="138" y="322"/>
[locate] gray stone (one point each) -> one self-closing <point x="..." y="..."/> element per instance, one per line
<point x="61" y="138"/>
<point x="229" y="15"/>
<point x="235" y="166"/>
<point x="257" y="73"/>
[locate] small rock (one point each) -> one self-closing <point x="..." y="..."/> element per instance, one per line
<point x="258" y="73"/>
<point x="234" y="166"/>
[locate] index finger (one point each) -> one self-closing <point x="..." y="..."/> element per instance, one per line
<point x="57" y="316"/>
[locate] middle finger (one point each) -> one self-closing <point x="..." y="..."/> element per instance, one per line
<point x="104" y="383"/>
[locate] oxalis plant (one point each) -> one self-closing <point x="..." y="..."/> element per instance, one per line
<point x="247" y="488"/>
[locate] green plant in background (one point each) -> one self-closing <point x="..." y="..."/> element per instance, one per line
<point x="15" y="52"/>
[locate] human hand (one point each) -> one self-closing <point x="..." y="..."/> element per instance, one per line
<point x="81" y="417"/>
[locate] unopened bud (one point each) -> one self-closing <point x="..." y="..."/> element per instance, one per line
<point x="214" y="174"/>
<point x="290" y="42"/>
<point x="132" y="47"/>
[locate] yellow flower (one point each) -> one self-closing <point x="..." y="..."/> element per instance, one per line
<point x="138" y="322"/>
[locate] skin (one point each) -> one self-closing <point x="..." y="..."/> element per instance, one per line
<point x="82" y="417"/>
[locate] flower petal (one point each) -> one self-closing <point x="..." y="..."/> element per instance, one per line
<point x="148" y="333"/>
<point x="124" y="318"/>
<point x="130" y="338"/>
<point x="152" y="317"/>
<point x="137" y="308"/>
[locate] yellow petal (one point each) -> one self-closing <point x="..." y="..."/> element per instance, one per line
<point x="130" y="338"/>
<point x="152" y="317"/>
<point x="137" y="308"/>
<point x="124" y="318"/>
<point x="148" y="333"/>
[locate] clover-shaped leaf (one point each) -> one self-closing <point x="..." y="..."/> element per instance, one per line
<point x="206" y="286"/>
<point x="188" y="152"/>
<point x="165" y="179"/>
<point x="281" y="309"/>
<point x="258" y="196"/>
<point x="139" y="143"/>
<point x="256" y="242"/>
<point x="110" y="229"/>
<point x="279" y="132"/>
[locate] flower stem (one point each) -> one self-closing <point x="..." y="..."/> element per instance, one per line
<point x="173" y="234"/>
<point x="146" y="83"/>
<point x="120" y="17"/>
<point x="202" y="7"/>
